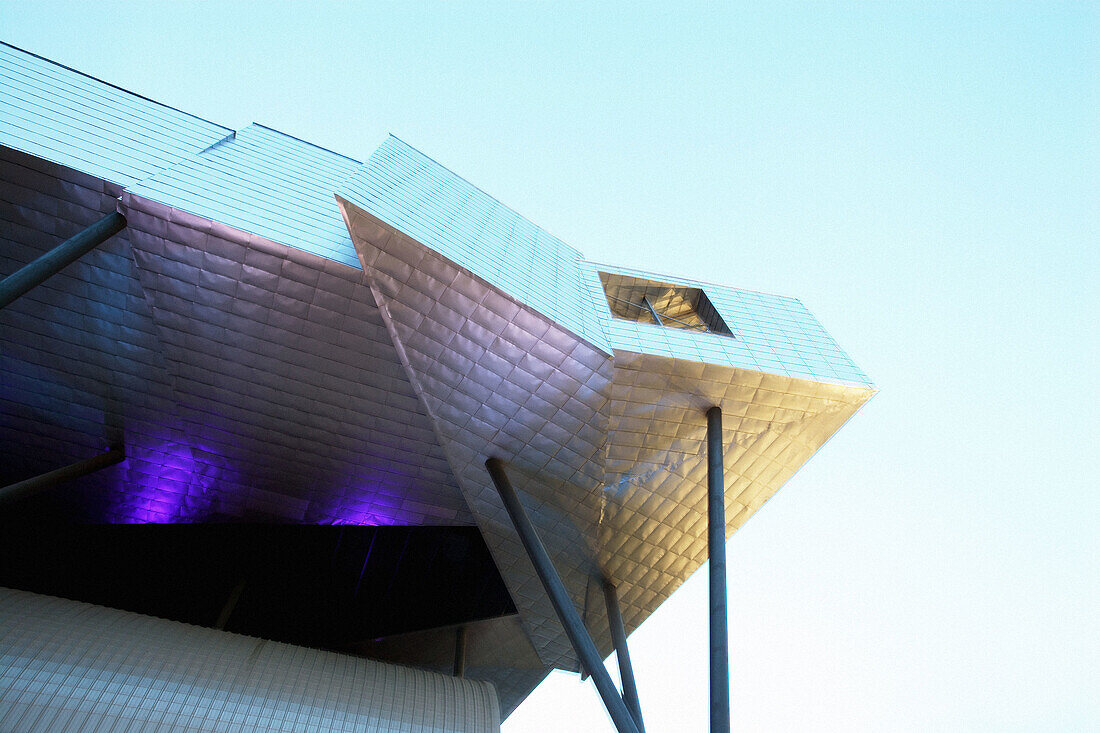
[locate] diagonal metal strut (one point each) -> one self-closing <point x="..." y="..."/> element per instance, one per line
<point x="35" y="273"/>
<point x="559" y="597"/>
<point x="46" y="481"/>
<point x="622" y="653"/>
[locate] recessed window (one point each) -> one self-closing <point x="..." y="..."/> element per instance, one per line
<point x="663" y="304"/>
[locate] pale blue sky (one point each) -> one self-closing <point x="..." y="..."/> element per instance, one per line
<point x="926" y="178"/>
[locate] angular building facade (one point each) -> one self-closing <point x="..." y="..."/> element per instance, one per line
<point x="288" y="369"/>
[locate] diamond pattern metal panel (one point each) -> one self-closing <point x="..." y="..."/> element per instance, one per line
<point x="500" y="380"/>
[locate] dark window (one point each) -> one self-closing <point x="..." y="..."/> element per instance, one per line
<point x="665" y="304"/>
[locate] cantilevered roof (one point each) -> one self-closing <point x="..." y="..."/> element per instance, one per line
<point x="770" y="333"/>
<point x="283" y="333"/>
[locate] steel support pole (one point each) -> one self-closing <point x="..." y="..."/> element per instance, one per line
<point x="42" y="482"/>
<point x="61" y="256"/>
<point x="559" y="597"/>
<point x="460" y="652"/>
<point x="622" y="653"/>
<point x="716" y="549"/>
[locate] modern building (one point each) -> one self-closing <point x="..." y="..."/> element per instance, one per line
<point x="284" y="440"/>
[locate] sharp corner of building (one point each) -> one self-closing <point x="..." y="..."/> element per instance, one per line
<point x="258" y="391"/>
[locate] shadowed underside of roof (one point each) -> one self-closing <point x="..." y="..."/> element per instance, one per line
<point x="285" y="334"/>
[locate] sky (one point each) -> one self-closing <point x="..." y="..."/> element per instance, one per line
<point x="924" y="177"/>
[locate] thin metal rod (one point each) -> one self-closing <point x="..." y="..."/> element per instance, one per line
<point x="42" y="482"/>
<point x="648" y="308"/>
<point x="61" y="256"/>
<point x="460" y="652"/>
<point x="622" y="653"/>
<point x="559" y="597"/>
<point x="716" y="549"/>
<point x="652" y="310"/>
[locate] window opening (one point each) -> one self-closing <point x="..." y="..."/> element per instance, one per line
<point x="662" y="304"/>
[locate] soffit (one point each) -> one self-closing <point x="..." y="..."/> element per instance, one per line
<point x="285" y="379"/>
<point x="246" y="379"/>
<point x="654" y="535"/>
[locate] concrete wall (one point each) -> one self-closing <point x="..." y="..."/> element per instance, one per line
<point x="67" y="666"/>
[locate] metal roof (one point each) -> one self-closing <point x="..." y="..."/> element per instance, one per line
<point x="285" y="333"/>
<point x="67" y="117"/>
<point x="405" y="188"/>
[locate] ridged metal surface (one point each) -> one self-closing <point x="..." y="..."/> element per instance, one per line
<point x="246" y="379"/>
<point x="266" y="183"/>
<point x="73" y="666"/>
<point x="771" y="333"/>
<point x="408" y="190"/>
<point x="230" y="336"/>
<point x="499" y="379"/>
<point x="67" y="117"/>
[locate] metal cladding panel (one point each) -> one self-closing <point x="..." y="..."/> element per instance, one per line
<point x="83" y="123"/>
<point x="654" y="533"/>
<point x="636" y="420"/>
<point x="73" y="666"/>
<point x="263" y="182"/>
<point x="497" y="650"/>
<point x="498" y="379"/>
<point x="247" y="379"/>
<point x="416" y="195"/>
<point x="286" y="379"/>
<point x="231" y="325"/>
<point x="771" y="333"/>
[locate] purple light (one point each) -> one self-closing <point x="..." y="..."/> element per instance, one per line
<point x="176" y="477"/>
<point x="157" y="484"/>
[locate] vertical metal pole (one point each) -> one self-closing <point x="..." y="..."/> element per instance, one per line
<point x="716" y="548"/>
<point x="559" y="597"/>
<point x="622" y="653"/>
<point x="460" y="652"/>
<point x="64" y="254"/>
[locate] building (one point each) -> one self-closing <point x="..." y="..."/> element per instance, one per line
<point x="317" y="387"/>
